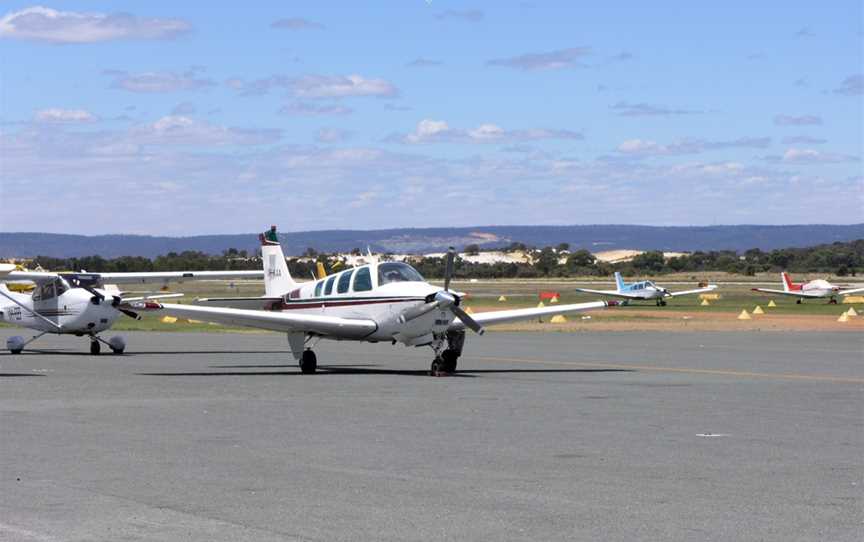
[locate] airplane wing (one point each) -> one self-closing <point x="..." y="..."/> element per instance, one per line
<point x="784" y="292"/>
<point x="346" y="328"/>
<point x="180" y="276"/>
<point x="515" y="315"/>
<point x="9" y="272"/>
<point x="852" y="291"/>
<point x="129" y="278"/>
<point x="696" y="291"/>
<point x="612" y="293"/>
<point x="149" y="297"/>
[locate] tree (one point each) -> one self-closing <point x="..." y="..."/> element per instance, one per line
<point x="472" y="250"/>
<point x="563" y="247"/>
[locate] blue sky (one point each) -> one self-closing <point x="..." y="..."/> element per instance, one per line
<point x="185" y="117"/>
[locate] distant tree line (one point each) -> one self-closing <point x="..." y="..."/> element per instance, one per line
<point x="842" y="259"/>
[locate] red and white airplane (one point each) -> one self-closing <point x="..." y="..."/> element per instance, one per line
<point x="818" y="288"/>
<point x="376" y="302"/>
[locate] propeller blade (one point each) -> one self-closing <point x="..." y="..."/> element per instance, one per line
<point x="467" y="320"/>
<point x="130" y="314"/>
<point x="416" y="312"/>
<point x="448" y="268"/>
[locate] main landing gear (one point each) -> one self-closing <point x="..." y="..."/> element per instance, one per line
<point x="446" y="359"/>
<point x="117" y="344"/>
<point x="661" y="302"/>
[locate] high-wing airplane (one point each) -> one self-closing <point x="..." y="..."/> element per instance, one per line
<point x="378" y="301"/>
<point x="814" y="289"/>
<point x="80" y="304"/>
<point x="645" y="289"/>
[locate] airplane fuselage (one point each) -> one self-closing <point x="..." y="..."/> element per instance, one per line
<point x="382" y="303"/>
<point x="73" y="312"/>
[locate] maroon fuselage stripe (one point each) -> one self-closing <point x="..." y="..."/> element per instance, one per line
<point x="278" y="305"/>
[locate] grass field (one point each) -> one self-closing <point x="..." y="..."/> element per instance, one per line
<point x="483" y="296"/>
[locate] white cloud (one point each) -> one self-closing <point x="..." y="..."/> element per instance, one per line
<point x="812" y="156"/>
<point x="158" y="82"/>
<point x="626" y="109"/>
<point x="180" y="130"/>
<point x="332" y="135"/>
<point x="64" y="115"/>
<point x="314" y="110"/>
<point x="341" y="86"/>
<point x="552" y="60"/>
<point x="800" y="120"/>
<point x="438" y="131"/>
<point x="851" y="86"/>
<point x="46" y="24"/>
<point x="643" y="147"/>
<point x="296" y="23"/>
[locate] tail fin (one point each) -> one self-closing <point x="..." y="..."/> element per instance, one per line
<point x="619" y="282"/>
<point x="277" y="279"/>
<point x="787" y="282"/>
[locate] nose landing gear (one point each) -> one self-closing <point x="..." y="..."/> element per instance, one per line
<point x="446" y="360"/>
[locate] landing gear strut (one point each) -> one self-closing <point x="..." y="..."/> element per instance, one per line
<point x="661" y="302"/>
<point x="308" y="362"/>
<point x="445" y="361"/>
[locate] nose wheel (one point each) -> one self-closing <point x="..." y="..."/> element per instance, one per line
<point x="308" y="362"/>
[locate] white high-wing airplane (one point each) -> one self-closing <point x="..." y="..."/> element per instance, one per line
<point x="379" y="301"/>
<point x="645" y="289"/>
<point x="814" y="289"/>
<point x="79" y="304"/>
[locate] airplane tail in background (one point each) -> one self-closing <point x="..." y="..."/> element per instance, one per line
<point x="277" y="279"/>
<point x="788" y="285"/>
<point x="619" y="282"/>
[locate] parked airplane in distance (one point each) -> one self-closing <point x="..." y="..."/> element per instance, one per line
<point x="79" y="303"/>
<point x="645" y="289"/>
<point x="379" y="301"/>
<point x="814" y="289"/>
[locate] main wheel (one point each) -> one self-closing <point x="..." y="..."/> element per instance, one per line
<point x="95" y="348"/>
<point x="308" y="362"/>
<point x="797" y="301"/>
<point x="437" y="367"/>
<point x="449" y="359"/>
<point x="662" y="303"/>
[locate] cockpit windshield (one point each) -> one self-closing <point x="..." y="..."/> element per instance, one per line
<point x="397" y="272"/>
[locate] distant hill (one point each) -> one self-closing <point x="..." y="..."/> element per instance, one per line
<point x="595" y="238"/>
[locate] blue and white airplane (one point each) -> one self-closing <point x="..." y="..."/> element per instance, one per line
<point x="645" y="289"/>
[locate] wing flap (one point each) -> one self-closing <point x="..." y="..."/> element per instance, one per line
<point x="346" y="328"/>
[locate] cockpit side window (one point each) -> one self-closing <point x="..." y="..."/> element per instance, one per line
<point x="318" y="288"/>
<point x="362" y="280"/>
<point x="397" y="272"/>
<point x="344" y="281"/>
<point x="329" y="288"/>
<point x="44" y="292"/>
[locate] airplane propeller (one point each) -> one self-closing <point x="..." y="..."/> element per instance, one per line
<point x="443" y="300"/>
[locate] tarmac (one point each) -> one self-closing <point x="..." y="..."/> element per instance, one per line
<point x="540" y="436"/>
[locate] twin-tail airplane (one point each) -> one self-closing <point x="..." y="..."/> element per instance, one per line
<point x="815" y="289"/>
<point x="644" y="290"/>
<point x="376" y="302"/>
<point x="80" y="304"/>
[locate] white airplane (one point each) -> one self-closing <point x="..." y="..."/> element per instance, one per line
<point x="79" y="304"/>
<point x="814" y="289"/>
<point x="645" y="289"/>
<point x="379" y="301"/>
